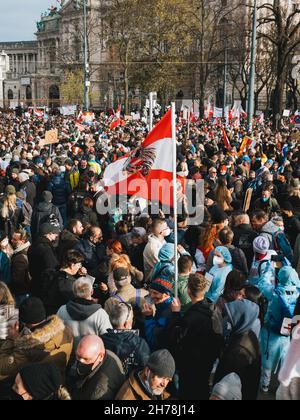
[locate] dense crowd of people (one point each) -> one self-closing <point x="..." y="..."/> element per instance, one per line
<point x="88" y="309"/>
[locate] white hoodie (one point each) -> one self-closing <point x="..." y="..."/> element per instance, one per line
<point x="151" y="252"/>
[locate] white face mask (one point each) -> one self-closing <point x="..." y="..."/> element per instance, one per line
<point x="218" y="260"/>
<point x="166" y="232"/>
<point x="4" y="243"/>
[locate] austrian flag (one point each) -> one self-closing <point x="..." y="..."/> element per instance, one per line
<point x="117" y="120"/>
<point x="147" y="171"/>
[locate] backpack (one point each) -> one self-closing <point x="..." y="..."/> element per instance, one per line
<point x="245" y="244"/>
<point x="282" y="245"/>
<point x="49" y="287"/>
<point x="286" y="311"/>
<point x="179" y="334"/>
<point x="52" y="219"/>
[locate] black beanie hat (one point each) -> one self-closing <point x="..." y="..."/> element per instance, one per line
<point x="218" y="215"/>
<point x="32" y="311"/>
<point x="162" y="364"/>
<point x="41" y="380"/>
<point x="287" y="206"/>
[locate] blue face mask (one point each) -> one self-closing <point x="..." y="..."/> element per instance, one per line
<point x="265" y="200"/>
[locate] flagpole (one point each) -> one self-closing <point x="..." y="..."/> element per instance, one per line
<point x="151" y="110"/>
<point x="251" y="93"/>
<point x="174" y="142"/>
<point x="189" y="123"/>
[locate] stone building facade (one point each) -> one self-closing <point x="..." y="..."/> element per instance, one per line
<point x="37" y="68"/>
<point x="19" y="85"/>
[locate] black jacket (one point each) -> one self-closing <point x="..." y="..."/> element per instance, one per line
<point x="57" y="290"/>
<point x="196" y="344"/>
<point x="87" y="216"/>
<point x="102" y="384"/>
<point x="93" y="255"/>
<point x="242" y="356"/>
<point x="292" y="229"/>
<point x="68" y="241"/>
<point x="243" y="239"/>
<point x="132" y="350"/>
<point x="136" y="255"/>
<point x="41" y="257"/>
<point x="269" y="207"/>
<point x="40" y="216"/>
<point x="30" y="189"/>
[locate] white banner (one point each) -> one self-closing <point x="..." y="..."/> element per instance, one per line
<point x="136" y="117"/>
<point x="218" y="112"/>
<point x="286" y="113"/>
<point x="68" y="110"/>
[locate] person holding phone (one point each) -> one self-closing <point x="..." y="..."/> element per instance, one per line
<point x="158" y="314"/>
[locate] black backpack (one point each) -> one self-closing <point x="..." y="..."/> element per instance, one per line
<point x="52" y="219"/>
<point x="179" y="333"/>
<point x="49" y="287"/>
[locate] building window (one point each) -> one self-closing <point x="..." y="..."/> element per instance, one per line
<point x="10" y="94"/>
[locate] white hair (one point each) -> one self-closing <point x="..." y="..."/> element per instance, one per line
<point x="82" y="288"/>
<point x="119" y="314"/>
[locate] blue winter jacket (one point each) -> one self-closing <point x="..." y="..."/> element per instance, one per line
<point x="60" y="189"/>
<point x="5" y="268"/>
<point x="287" y="291"/>
<point x="155" y="326"/>
<point x="219" y="281"/>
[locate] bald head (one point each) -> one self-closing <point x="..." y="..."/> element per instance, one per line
<point x="91" y="350"/>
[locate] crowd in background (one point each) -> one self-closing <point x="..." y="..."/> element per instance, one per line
<point x="87" y="301"/>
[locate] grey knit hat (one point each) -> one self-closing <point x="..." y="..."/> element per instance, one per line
<point x="229" y="389"/>
<point x="162" y="364"/>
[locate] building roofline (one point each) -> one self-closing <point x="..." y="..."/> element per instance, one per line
<point x="19" y="43"/>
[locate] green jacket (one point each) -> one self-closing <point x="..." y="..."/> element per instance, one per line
<point x="182" y="292"/>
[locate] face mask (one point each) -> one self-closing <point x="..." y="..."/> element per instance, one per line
<point x="166" y="232"/>
<point x="84" y="370"/>
<point x="218" y="260"/>
<point x="265" y="199"/>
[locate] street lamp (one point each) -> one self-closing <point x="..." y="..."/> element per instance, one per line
<point x="252" y="69"/>
<point x="87" y="83"/>
<point x="224" y="27"/>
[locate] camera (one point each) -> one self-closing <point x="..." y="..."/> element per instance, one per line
<point x="278" y="258"/>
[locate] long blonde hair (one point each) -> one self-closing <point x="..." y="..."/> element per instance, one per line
<point x="9" y="205"/>
<point x="222" y="193"/>
<point x="6" y="298"/>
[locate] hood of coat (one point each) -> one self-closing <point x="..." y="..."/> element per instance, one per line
<point x="288" y="285"/>
<point x="22" y="248"/>
<point x="242" y="315"/>
<point x="166" y="254"/>
<point x="139" y="390"/>
<point x="86" y="210"/>
<point x="153" y="240"/>
<point x="44" y="207"/>
<point x="121" y="341"/>
<point x="270" y="228"/>
<point x="41" y="336"/>
<point x="68" y="236"/>
<point x="81" y="309"/>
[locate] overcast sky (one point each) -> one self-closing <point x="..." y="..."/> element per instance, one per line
<point x="18" y="18"/>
